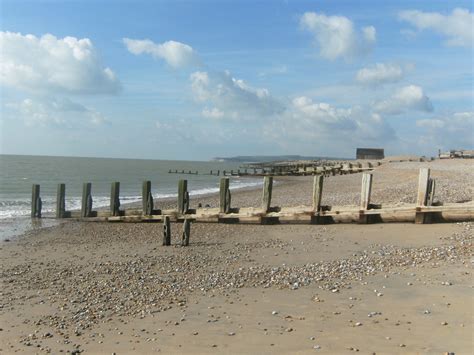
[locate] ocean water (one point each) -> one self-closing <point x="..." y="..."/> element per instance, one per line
<point x="18" y="173"/>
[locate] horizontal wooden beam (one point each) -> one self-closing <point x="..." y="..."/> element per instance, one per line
<point x="303" y="213"/>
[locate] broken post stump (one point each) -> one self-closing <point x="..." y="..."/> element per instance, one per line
<point x="186" y="232"/>
<point x="166" y="230"/>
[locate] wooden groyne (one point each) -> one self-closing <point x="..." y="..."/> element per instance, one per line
<point x="424" y="211"/>
<point x="303" y="168"/>
<point x="288" y="169"/>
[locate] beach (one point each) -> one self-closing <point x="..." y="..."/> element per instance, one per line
<point x="247" y="289"/>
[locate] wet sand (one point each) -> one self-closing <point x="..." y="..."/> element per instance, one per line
<point x="383" y="288"/>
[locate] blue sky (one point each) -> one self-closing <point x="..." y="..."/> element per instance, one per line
<point x="198" y="79"/>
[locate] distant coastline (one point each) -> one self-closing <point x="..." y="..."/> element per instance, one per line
<point x="268" y="158"/>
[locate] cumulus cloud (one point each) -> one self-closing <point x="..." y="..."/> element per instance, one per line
<point x="457" y="26"/>
<point x="231" y="97"/>
<point x="409" y="97"/>
<point x="50" y="64"/>
<point x="336" y="36"/>
<point x="380" y="73"/>
<point x="176" y="54"/>
<point x="56" y="112"/>
<point x="452" y="131"/>
<point x="311" y="125"/>
<point x="323" y="113"/>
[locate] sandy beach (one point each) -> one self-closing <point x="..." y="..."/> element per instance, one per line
<point x="250" y="289"/>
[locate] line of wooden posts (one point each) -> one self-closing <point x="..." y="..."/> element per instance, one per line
<point x="425" y="210"/>
<point x="292" y="170"/>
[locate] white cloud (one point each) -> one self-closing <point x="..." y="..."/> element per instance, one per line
<point x="453" y="131"/>
<point x="231" y="97"/>
<point x="337" y="37"/>
<point x="212" y="113"/>
<point x="321" y="127"/>
<point x="457" y="26"/>
<point x="49" y="64"/>
<point x="380" y="73"/>
<point x="409" y="97"/>
<point x="56" y="112"/>
<point x="323" y="113"/>
<point x="176" y="54"/>
<point x="430" y="123"/>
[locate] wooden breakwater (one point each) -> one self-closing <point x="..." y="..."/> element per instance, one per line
<point x="288" y="169"/>
<point x="424" y="211"/>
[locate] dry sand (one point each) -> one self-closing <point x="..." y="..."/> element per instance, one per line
<point x="383" y="288"/>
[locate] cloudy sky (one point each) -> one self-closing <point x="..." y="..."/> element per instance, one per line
<point x="198" y="79"/>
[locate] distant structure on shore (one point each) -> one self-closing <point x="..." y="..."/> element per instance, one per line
<point x="370" y="153"/>
<point x="453" y="153"/>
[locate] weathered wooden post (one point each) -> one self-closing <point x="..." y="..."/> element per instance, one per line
<point x="365" y="197"/>
<point x="166" y="230"/>
<point x="317" y="192"/>
<point x="267" y="193"/>
<point x="186" y="232"/>
<point x="61" y="201"/>
<point x="183" y="196"/>
<point x="115" y="199"/>
<point x="147" y="198"/>
<point x="317" y="196"/>
<point x="86" y="207"/>
<point x="224" y="194"/>
<point x="36" y="203"/>
<point x="422" y="196"/>
<point x="430" y="199"/>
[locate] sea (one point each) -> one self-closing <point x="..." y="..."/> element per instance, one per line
<point x="19" y="172"/>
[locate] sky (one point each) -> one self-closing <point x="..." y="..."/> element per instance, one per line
<point x="193" y="80"/>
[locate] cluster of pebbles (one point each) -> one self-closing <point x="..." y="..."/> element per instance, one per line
<point x="142" y="284"/>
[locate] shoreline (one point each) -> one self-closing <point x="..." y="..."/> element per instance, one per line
<point x="14" y="227"/>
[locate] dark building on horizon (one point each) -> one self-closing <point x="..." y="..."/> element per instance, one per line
<point x="370" y="153"/>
